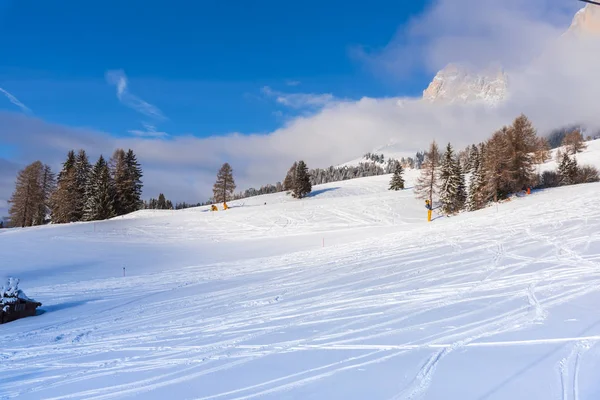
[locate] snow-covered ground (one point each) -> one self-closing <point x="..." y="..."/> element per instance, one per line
<point x="348" y="294"/>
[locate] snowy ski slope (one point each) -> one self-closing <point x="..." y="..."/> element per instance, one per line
<point x="349" y="294"/>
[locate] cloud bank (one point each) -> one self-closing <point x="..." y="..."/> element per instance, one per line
<point x="552" y="80"/>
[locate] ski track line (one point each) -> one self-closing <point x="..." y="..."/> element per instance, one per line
<point x="570" y="381"/>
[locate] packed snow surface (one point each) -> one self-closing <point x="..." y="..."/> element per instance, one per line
<point x="348" y="294"/>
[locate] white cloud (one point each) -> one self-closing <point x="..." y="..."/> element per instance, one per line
<point x="148" y="132"/>
<point x="292" y="83"/>
<point x="478" y="32"/>
<point x="299" y="100"/>
<point x="119" y="79"/>
<point x="15" y="101"/>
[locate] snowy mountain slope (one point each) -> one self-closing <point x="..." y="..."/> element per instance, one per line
<point x="247" y="303"/>
<point x="393" y="149"/>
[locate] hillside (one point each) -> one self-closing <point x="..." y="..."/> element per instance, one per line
<point x="348" y="294"/>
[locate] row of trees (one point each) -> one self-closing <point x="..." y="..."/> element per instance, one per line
<point x="80" y="192"/>
<point x="162" y="203"/>
<point x="501" y="166"/>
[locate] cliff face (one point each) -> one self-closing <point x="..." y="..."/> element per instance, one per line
<point x="456" y="83"/>
<point x="586" y="21"/>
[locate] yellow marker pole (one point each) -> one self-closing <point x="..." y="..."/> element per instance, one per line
<point x="428" y="205"/>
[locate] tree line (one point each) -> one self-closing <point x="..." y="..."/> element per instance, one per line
<point x="499" y="167"/>
<point x="80" y="192"/>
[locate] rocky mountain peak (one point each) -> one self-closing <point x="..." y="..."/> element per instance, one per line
<point x="458" y="83"/>
<point x="586" y="21"/>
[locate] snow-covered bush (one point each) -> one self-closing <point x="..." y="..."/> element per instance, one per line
<point x="10" y="293"/>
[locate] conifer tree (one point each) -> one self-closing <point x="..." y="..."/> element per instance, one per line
<point x="100" y="204"/>
<point x="427" y="185"/>
<point x="574" y="142"/>
<point x="162" y="202"/>
<point x="82" y="174"/>
<point x="47" y="187"/>
<point x="477" y="195"/>
<point x="28" y="197"/>
<point x="452" y="186"/>
<point x="542" y="152"/>
<point x="397" y="181"/>
<point x="567" y="170"/>
<point x="66" y="197"/>
<point x="134" y="173"/>
<point x="120" y="178"/>
<point x="522" y="144"/>
<point x="302" y="185"/>
<point x="496" y="165"/>
<point x="224" y="187"/>
<point x="288" y="182"/>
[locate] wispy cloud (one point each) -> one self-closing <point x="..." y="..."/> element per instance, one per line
<point x="292" y="83"/>
<point x="119" y="79"/>
<point x="149" y="132"/>
<point x="299" y="100"/>
<point x="15" y="101"/>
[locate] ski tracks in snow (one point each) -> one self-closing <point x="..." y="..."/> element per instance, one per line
<point x="569" y="368"/>
<point x="199" y="324"/>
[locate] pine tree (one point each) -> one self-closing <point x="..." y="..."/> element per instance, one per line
<point x="66" y="197"/>
<point x="522" y="144"/>
<point x="126" y="174"/>
<point x="100" y="204"/>
<point x="162" y="202"/>
<point x="47" y="188"/>
<point x="452" y="186"/>
<point x="397" y="181"/>
<point x="542" y="152"/>
<point x="302" y="185"/>
<point x="28" y="197"/>
<point x="427" y="185"/>
<point x="68" y="164"/>
<point x="496" y="165"/>
<point x="134" y="173"/>
<point x="567" y="170"/>
<point x="290" y="177"/>
<point x="120" y="178"/>
<point x="574" y="142"/>
<point x="82" y="174"/>
<point x="477" y="195"/>
<point x="224" y="187"/>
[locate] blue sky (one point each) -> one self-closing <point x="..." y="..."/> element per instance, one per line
<point x="202" y="63"/>
<point x="189" y="85"/>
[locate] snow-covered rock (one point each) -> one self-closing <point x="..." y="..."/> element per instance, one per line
<point x="457" y="83"/>
<point x="586" y="21"/>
